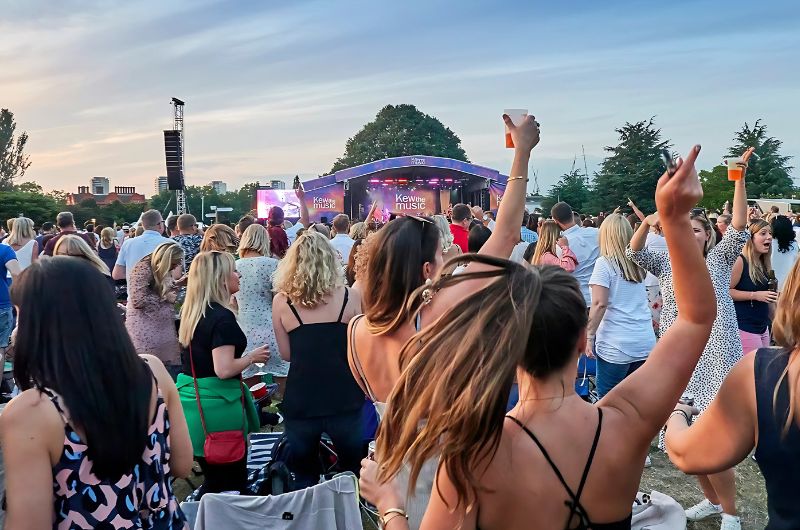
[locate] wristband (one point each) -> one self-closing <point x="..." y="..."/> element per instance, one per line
<point x="390" y="514"/>
<point x="517" y="178"/>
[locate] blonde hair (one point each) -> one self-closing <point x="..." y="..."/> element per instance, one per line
<point x="759" y="264"/>
<point x="358" y="231"/>
<point x="164" y="258"/>
<point x="309" y="271"/>
<point x="321" y="229"/>
<point x="615" y="234"/>
<point x="139" y="230"/>
<point x="256" y="238"/>
<point x="21" y="228"/>
<point x="711" y="237"/>
<point x="786" y="330"/>
<point x="70" y="245"/>
<point x="549" y="233"/>
<point x="219" y="237"/>
<point x="208" y="284"/>
<point x="107" y="236"/>
<point x="445" y="235"/>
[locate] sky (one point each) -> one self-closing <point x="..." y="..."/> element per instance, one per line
<point x="275" y="88"/>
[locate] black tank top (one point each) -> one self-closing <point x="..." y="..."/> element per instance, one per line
<point x="320" y="382"/>
<point x="778" y="456"/>
<point x="753" y="317"/>
<point x="577" y="514"/>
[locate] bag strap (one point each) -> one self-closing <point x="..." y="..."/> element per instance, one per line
<point x="197" y="396"/>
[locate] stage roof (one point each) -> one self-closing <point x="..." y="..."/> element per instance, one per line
<point x="415" y="164"/>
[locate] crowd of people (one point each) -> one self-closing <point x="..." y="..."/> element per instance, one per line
<point x="458" y="335"/>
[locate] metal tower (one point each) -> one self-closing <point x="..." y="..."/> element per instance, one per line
<point x="180" y="195"/>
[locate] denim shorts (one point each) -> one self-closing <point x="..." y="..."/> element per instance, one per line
<point x="6" y="326"/>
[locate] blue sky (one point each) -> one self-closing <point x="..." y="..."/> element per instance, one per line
<point x="274" y="88"/>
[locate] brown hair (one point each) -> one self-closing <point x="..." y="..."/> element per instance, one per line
<point x="219" y="237"/>
<point x="711" y="238"/>
<point x="548" y="236"/>
<point x="397" y="253"/>
<point x="786" y="330"/>
<point x="457" y="373"/>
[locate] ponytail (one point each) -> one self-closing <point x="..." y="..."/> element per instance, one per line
<point x="457" y="375"/>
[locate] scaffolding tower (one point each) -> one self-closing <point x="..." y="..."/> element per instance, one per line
<point x="177" y="125"/>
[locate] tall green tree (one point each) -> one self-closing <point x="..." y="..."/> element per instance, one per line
<point x="768" y="172"/>
<point x="13" y="160"/>
<point x="37" y="206"/>
<point x="716" y="187"/>
<point x="632" y="168"/>
<point x="572" y="189"/>
<point x="400" y="130"/>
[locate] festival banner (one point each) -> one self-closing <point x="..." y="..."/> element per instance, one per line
<point x="496" y="191"/>
<point x="327" y="201"/>
<point x="419" y="201"/>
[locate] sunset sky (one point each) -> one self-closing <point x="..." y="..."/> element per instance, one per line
<point x="274" y="88"/>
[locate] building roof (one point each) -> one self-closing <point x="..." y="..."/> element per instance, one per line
<point x="105" y="200"/>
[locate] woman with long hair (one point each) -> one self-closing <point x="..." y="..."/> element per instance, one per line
<point x="749" y="288"/>
<point x="786" y="251"/>
<point x="724" y="347"/>
<point x="221" y="238"/>
<point x="213" y="344"/>
<point x="351" y="269"/>
<point x="310" y="313"/>
<point x="97" y="431"/>
<point x="254" y="300"/>
<point x="107" y="249"/>
<point x="150" y="312"/>
<point x="546" y="253"/>
<point x="408" y="251"/>
<point x="278" y="240"/>
<point x="757" y="407"/>
<point x="620" y="332"/>
<point x="558" y="462"/>
<point x="23" y="240"/>
<point x="78" y="248"/>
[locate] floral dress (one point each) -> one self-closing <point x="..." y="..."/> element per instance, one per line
<point x="141" y="499"/>
<point x="724" y="347"/>
<point x="255" y="311"/>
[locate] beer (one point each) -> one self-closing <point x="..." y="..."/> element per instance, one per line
<point x="735" y="171"/>
<point x="772" y="282"/>
<point x="516" y="115"/>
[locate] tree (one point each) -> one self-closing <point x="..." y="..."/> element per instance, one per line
<point x="632" y="169"/>
<point x="13" y="161"/>
<point x="716" y="188"/>
<point x="571" y="188"/>
<point x="36" y="206"/>
<point x="768" y="174"/>
<point x="400" y="130"/>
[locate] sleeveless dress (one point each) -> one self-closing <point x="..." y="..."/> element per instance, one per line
<point x="141" y="499"/>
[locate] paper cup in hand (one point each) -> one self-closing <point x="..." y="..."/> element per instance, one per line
<point x="734" y="170"/>
<point x="516" y="115"/>
<point x="259" y="390"/>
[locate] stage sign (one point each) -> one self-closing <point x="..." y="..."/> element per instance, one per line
<point x="496" y="191"/>
<point x="327" y="201"/>
<point x="399" y="201"/>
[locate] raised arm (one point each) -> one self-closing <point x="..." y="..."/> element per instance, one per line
<point x="739" y="221"/>
<point x="301" y="195"/>
<point x="646" y="398"/>
<point x="636" y="210"/>
<point x="652" y="262"/>
<point x="506" y="229"/>
<point x="371" y="215"/>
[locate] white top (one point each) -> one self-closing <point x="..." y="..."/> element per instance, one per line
<point x="343" y="244"/>
<point x="659" y="244"/>
<point x="584" y="242"/>
<point x="291" y="232"/>
<point x="782" y="262"/>
<point x="626" y="332"/>
<point x="24" y="254"/>
<point x="134" y="249"/>
<point x="518" y="253"/>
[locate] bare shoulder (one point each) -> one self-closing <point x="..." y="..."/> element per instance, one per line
<point x="30" y="410"/>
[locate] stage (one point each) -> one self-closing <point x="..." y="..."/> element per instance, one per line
<point x="420" y="185"/>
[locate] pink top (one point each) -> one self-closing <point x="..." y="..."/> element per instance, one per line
<point x="568" y="260"/>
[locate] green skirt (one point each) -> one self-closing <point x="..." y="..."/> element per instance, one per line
<point x="221" y="400"/>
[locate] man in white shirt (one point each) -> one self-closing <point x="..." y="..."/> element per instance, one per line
<point x="584" y="242"/>
<point x="138" y="247"/>
<point x="342" y="241"/>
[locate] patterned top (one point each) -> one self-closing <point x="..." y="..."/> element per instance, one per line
<point x="141" y="499"/>
<point x="150" y="321"/>
<point x="724" y="347"/>
<point x="190" y="243"/>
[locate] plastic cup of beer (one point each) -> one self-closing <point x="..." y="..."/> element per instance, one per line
<point x="734" y="170"/>
<point x="516" y="115"/>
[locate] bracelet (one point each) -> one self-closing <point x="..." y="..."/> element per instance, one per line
<point x="390" y="514"/>
<point x="682" y="413"/>
<point x="517" y="178"/>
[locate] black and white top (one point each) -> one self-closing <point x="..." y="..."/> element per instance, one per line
<point x="724" y="346"/>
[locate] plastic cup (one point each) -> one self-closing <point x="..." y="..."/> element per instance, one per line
<point x="516" y="115"/>
<point x="371" y="450"/>
<point x="734" y="171"/>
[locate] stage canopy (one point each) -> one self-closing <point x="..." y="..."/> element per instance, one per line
<point x="409" y="184"/>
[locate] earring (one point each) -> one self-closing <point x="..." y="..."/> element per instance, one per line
<point x="427" y="293"/>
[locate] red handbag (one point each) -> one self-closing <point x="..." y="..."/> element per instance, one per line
<point x="223" y="447"/>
